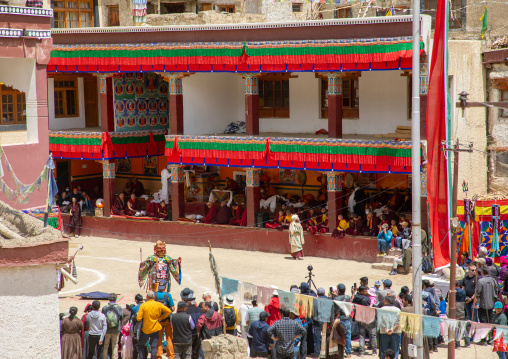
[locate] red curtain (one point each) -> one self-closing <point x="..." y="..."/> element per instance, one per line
<point x="436" y="132"/>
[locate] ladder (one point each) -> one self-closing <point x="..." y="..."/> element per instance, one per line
<point x="364" y="8"/>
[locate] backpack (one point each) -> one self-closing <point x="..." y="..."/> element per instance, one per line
<point x="163" y="300"/>
<point x="230" y="317"/>
<point x="112" y="316"/>
<point x="427" y="265"/>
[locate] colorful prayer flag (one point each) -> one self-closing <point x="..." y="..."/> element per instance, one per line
<point x="484" y="22"/>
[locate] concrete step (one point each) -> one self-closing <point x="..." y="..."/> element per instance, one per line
<point x="382" y="266"/>
<point x="385" y="259"/>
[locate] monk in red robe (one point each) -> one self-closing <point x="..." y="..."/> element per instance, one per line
<point x="119" y="206"/>
<point x="211" y="215"/>
<point x="277" y="222"/>
<point x="138" y="189"/>
<point x="237" y="219"/>
<point x="157" y="210"/>
<point x="224" y="214"/>
<point x="133" y="206"/>
<point x="232" y="185"/>
<point x="321" y="223"/>
<point x="243" y="223"/>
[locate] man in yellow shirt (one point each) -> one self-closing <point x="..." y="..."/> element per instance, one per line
<point x="151" y="312"/>
<point x="230" y="314"/>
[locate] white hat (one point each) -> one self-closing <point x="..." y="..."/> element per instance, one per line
<point x="230" y="300"/>
<point x="275" y="292"/>
<point x="295" y="218"/>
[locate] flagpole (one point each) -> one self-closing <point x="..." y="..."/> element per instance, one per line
<point x="415" y="172"/>
<point x="46" y="213"/>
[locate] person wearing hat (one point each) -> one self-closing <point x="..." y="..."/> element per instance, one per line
<point x="230" y="314"/>
<point x="384" y="239"/>
<point x="195" y="312"/>
<point x="183" y="325"/>
<point x="377" y="286"/>
<point x="362" y="298"/>
<point x="296" y="239"/>
<point x="499" y="319"/>
<point x="273" y="308"/>
<point x="387" y="289"/>
<point x="261" y="341"/>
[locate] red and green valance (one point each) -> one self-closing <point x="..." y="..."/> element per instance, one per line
<point x="308" y="55"/>
<point x="375" y="156"/>
<point x="106" y="145"/>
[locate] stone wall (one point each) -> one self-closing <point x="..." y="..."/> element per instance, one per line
<point x="124" y="10"/>
<point x="203" y="18"/>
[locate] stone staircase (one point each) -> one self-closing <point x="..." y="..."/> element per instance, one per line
<point x="386" y="262"/>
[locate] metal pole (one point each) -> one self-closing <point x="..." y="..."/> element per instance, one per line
<point x="415" y="172"/>
<point x="453" y="248"/>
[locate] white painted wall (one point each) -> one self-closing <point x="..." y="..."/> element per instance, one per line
<point x="383" y="103"/>
<point x="20" y="74"/>
<point x="64" y="123"/>
<point x="213" y="100"/>
<point x="29" y="322"/>
<point x="209" y="102"/>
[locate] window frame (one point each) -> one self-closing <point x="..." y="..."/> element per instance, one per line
<point x="64" y="90"/>
<point x="297" y="6"/>
<point x="343" y="13"/>
<point x="273" y="111"/>
<point x="503" y="113"/>
<point x="352" y="112"/>
<point x="230" y="9"/>
<point x="9" y="90"/>
<point x="65" y="10"/>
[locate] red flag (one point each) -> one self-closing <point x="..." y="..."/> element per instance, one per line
<point x="437" y="180"/>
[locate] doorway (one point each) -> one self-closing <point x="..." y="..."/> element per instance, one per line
<point x="63" y="174"/>
<point x="91" y="102"/>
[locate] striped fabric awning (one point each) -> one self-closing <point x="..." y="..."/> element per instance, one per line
<point x="267" y="56"/>
<point x="291" y="153"/>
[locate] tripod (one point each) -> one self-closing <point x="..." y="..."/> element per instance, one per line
<point x="310" y="281"/>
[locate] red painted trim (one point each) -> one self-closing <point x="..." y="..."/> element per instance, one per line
<point x="357" y="248"/>
<point x="44" y="253"/>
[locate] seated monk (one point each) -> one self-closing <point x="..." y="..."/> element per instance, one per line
<point x="211" y="215"/>
<point x="306" y="218"/>
<point x="119" y="206"/>
<point x="371" y="225"/>
<point x="277" y="222"/>
<point x="243" y="223"/>
<point x="138" y="189"/>
<point x="404" y="219"/>
<point x="134" y="207"/>
<point x="224" y="214"/>
<point x="287" y="219"/>
<point x="355" y="226"/>
<point x="342" y="226"/>
<point x="231" y="185"/>
<point x="129" y="187"/>
<point x="321" y="223"/>
<point x="237" y="219"/>
<point x="157" y="210"/>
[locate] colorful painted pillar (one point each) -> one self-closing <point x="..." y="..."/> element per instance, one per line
<point x="106" y="102"/>
<point x="108" y="185"/>
<point x="424" y="90"/>
<point x="174" y="80"/>
<point x="253" y="195"/>
<point x="251" y="104"/>
<point x="335" y="200"/>
<point x="334" y="104"/>
<point x="177" y="192"/>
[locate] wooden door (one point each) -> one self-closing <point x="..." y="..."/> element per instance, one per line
<point x="91" y="103"/>
<point x="113" y="16"/>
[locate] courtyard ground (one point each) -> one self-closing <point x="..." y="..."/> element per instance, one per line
<point x="111" y="265"/>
